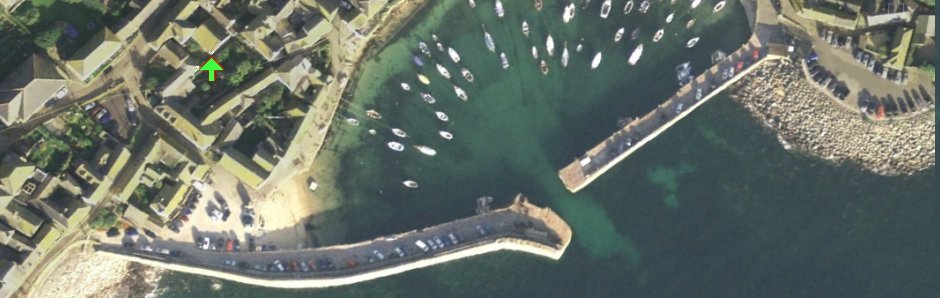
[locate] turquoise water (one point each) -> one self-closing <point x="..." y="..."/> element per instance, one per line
<point x="713" y="207"/>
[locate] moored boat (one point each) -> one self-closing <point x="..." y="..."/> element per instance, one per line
<point x="399" y="133"/>
<point x="669" y="18"/>
<point x="689" y="24"/>
<point x="446" y="135"/>
<point x="525" y="28"/>
<point x="695" y="3"/>
<point x="440" y="47"/>
<point x="692" y="42"/>
<point x="453" y="55"/>
<point x="410" y="184"/>
<point x="644" y="6"/>
<point x="635" y="34"/>
<point x="352" y="121"/>
<point x="473" y="4"/>
<point x="396" y="146"/>
<point x="578" y="48"/>
<point x="423" y="79"/>
<point x="423" y="47"/>
<point x="543" y="67"/>
<point x="504" y="60"/>
<point x="550" y="45"/>
<point x="460" y="93"/>
<point x="441" y="116"/>
<point x="499" y="9"/>
<point x="619" y="34"/>
<point x="535" y="52"/>
<point x="428" y="98"/>
<point x="627" y="8"/>
<point x="417" y="60"/>
<point x="538" y="5"/>
<point x="605" y="9"/>
<point x="659" y="35"/>
<point x="718" y="7"/>
<point x="488" y="39"/>
<point x="635" y="56"/>
<point x="568" y="14"/>
<point x="467" y="75"/>
<point x="443" y="71"/>
<point x="597" y="60"/>
<point x="373" y="114"/>
<point x="426" y="150"/>
<point x="405" y="86"/>
<point x="564" y="55"/>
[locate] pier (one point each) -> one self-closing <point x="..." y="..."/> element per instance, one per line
<point x="767" y="42"/>
<point x="520" y="227"/>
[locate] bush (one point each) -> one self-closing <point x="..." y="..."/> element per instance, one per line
<point x="48" y="38"/>
<point x="103" y="219"/>
<point x="242" y="70"/>
<point x="28" y="15"/>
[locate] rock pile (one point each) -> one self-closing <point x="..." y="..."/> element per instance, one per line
<point x="814" y="123"/>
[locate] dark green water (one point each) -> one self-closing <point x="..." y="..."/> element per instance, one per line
<point x="715" y="207"/>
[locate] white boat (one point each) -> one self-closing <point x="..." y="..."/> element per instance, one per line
<point x="669" y="18"/>
<point x="428" y="98"/>
<point x="373" y="114"/>
<point x="564" y="56"/>
<point x="691" y="42"/>
<point x="659" y="35"/>
<point x="410" y="184"/>
<point x="441" y="116"/>
<point x="550" y="45"/>
<point x="405" y="86"/>
<point x="352" y="121"/>
<point x="578" y="48"/>
<point x="689" y="24"/>
<point x="396" y="146"/>
<point x="423" y="47"/>
<point x="525" y="28"/>
<point x="718" y="7"/>
<point x="644" y="6"/>
<point x="443" y="70"/>
<point x="460" y="93"/>
<point x="488" y="39"/>
<point x="440" y="47"/>
<point x="423" y="79"/>
<point x="543" y="67"/>
<point x="473" y="4"/>
<point x="569" y="13"/>
<point x="619" y="34"/>
<point x="635" y="56"/>
<point x="695" y="3"/>
<point x="399" y="133"/>
<point x="467" y="75"/>
<point x="538" y="5"/>
<point x="535" y="52"/>
<point x="504" y="60"/>
<point x="446" y="135"/>
<point x="434" y="38"/>
<point x="499" y="9"/>
<point x="628" y="7"/>
<point x="453" y="55"/>
<point x="426" y="150"/>
<point x="605" y="9"/>
<point x="597" y="60"/>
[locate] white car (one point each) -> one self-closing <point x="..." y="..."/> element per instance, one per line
<point x="230" y="262"/>
<point x="421" y="245"/>
<point x="679" y="108"/>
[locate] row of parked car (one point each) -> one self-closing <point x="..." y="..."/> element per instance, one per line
<point x="825" y="79"/>
<point x="877" y="67"/>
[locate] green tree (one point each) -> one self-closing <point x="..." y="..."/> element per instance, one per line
<point x="48" y="38"/>
<point x="103" y="219"/>
<point x="27" y="15"/>
<point x="151" y="83"/>
<point x="242" y="70"/>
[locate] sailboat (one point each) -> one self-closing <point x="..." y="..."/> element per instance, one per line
<point x="423" y="79"/>
<point x="443" y="70"/>
<point x="535" y="52"/>
<point x="499" y="9"/>
<point x="597" y="60"/>
<point x="619" y="34"/>
<point x="473" y="4"/>
<point x="396" y="146"/>
<point x="659" y="35"/>
<point x="441" y="116"/>
<point x="669" y="18"/>
<point x="446" y="135"/>
<point x="692" y="42"/>
<point x="525" y="28"/>
<point x="426" y="150"/>
<point x="428" y="98"/>
<point x="569" y="13"/>
<point x="635" y="56"/>
<point x="460" y="93"/>
<point x="405" y="86"/>
<point x="718" y="7"/>
<point x="695" y="3"/>
<point x="488" y="39"/>
<point x="453" y="55"/>
<point x="467" y="75"/>
<point x="605" y="9"/>
<point x="410" y="184"/>
<point x="399" y="133"/>
<point x="628" y="7"/>
<point x="550" y="45"/>
<point x="564" y="56"/>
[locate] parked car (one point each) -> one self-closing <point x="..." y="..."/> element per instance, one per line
<point x="421" y="245"/>
<point x="230" y="262"/>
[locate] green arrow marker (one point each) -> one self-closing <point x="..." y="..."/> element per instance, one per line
<point x="211" y="66"/>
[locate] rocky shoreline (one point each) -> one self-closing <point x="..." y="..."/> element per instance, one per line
<point x="87" y="274"/>
<point x="811" y="122"/>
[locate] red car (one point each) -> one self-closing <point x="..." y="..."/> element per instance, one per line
<point x="229" y="245"/>
<point x="755" y="54"/>
<point x="738" y="67"/>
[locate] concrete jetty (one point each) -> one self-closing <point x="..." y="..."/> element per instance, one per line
<point x="766" y="43"/>
<point x="520" y="227"/>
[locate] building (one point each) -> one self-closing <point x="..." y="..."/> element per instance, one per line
<point x="210" y="36"/>
<point x="28" y="88"/>
<point x="294" y="74"/>
<point x="94" y="54"/>
<point x="186" y="124"/>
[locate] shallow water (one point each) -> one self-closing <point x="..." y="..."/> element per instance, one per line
<point x="713" y="207"/>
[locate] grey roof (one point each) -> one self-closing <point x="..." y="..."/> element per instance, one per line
<point x="27" y="88"/>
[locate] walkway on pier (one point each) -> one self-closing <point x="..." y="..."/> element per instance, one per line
<point x="767" y="42"/>
<point x="520" y="227"/>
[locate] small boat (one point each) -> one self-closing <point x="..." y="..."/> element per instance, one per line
<point x="453" y="55"/>
<point x="535" y="52"/>
<point x="467" y="75"/>
<point x="659" y="35"/>
<point x="428" y="98"/>
<point x="423" y="79"/>
<point x="399" y="133"/>
<point x="564" y="56"/>
<point x="434" y="38"/>
<point x="692" y="42"/>
<point x="372" y="132"/>
<point x="628" y="7"/>
<point x="423" y="47"/>
<point x="544" y="67"/>
<point x="525" y="28"/>
<point x="605" y="9"/>
<point x="578" y="48"/>
<point x="619" y="34"/>
<point x="405" y="86"/>
<point x="396" y="146"/>
<point x="473" y="4"/>
<point x="410" y="184"/>
<point x="443" y="70"/>
<point x="460" y="93"/>
<point x="718" y="7"/>
<point x="417" y="60"/>
<point x="635" y="34"/>
<point x="538" y="5"/>
<point x="352" y="121"/>
<point x="373" y="114"/>
<point x="597" y="60"/>
<point x="426" y="150"/>
<point x="499" y="9"/>
<point x="669" y="18"/>
<point x="504" y="60"/>
<point x="440" y="47"/>
<point x="488" y="39"/>
<point x="689" y="24"/>
<point x="635" y="56"/>
<point x="550" y="45"/>
<point x="569" y="13"/>
<point x="441" y="116"/>
<point x="446" y="135"/>
<point x="695" y="3"/>
<point x="645" y="6"/>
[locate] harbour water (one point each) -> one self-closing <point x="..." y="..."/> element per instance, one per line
<point x="713" y="207"/>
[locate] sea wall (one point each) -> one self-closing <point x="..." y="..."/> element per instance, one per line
<point x="809" y="121"/>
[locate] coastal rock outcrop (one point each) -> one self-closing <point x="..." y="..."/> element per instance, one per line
<point x="87" y="274"/>
<point x="808" y="120"/>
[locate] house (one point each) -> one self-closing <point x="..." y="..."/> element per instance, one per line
<point x="12" y="277"/>
<point x="243" y="168"/>
<point x="191" y="128"/>
<point x="94" y="54"/>
<point x="370" y="7"/>
<point x="28" y="88"/>
<point x="174" y="55"/>
<point x="293" y="74"/>
<point x="210" y="36"/>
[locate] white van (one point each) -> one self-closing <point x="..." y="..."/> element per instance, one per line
<point x="421" y="245"/>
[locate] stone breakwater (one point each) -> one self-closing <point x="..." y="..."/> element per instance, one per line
<point x="810" y="121"/>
